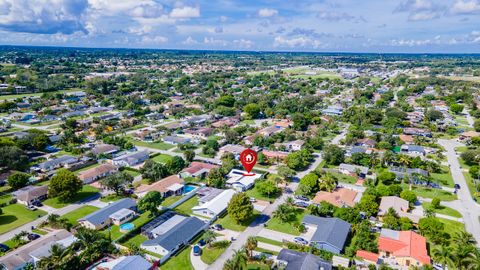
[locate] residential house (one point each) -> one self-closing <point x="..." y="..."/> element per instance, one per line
<point x="175" y="140"/>
<point x="93" y="174"/>
<point x="168" y="186"/>
<point x="400" y="206"/>
<point x="148" y="135"/>
<point x="295" y="260"/>
<point x="230" y="122"/>
<point x="197" y="169"/>
<point x="405" y="248"/>
<point x="116" y="212"/>
<point x="366" y="142"/>
<point x="330" y="233"/>
<point x="294" y="145"/>
<point x="206" y="194"/>
<point x="369" y="257"/>
<point x="268" y="131"/>
<point x="275" y="155"/>
<point x="231" y="148"/>
<point x="215" y="206"/>
<point x="350" y="169"/>
<point x="131" y="159"/>
<point x="29" y="194"/>
<point x="468" y="135"/>
<point x="340" y="197"/>
<point x="407" y="139"/>
<point x="173" y="234"/>
<point x="55" y="163"/>
<point x="412" y="150"/>
<point x="333" y="111"/>
<point x="20" y="257"/>
<point x="200" y="133"/>
<point x="125" y="263"/>
<point x="240" y="180"/>
<point x="417" y="132"/>
<point x="104" y="149"/>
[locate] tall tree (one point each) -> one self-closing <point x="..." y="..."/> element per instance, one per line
<point x="240" y="207"/>
<point x="117" y="181"/>
<point x="150" y="202"/>
<point x="64" y="185"/>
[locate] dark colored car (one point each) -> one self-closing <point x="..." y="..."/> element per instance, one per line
<point x="301" y="204"/>
<point x="201" y="243"/>
<point x="197" y="251"/>
<point x="217" y="227"/>
<point x="37" y="203"/>
<point x="457" y="186"/>
<point x="33" y="236"/>
<point x="4" y="248"/>
<point x="302" y="198"/>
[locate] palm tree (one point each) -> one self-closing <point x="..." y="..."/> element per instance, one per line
<point x="328" y="182"/>
<point x="472" y="262"/>
<point x="442" y="255"/>
<point x="464" y="238"/>
<point x="251" y="245"/>
<point x="461" y="253"/>
<point x="209" y="237"/>
<point x="57" y="255"/>
<point x="284" y="212"/>
<point x="240" y="259"/>
<point x="229" y="265"/>
<point x="429" y="212"/>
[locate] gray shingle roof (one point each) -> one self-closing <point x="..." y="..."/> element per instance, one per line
<point x="136" y="262"/>
<point x="302" y="261"/>
<point x="181" y="233"/>
<point x="103" y="214"/>
<point x="332" y="231"/>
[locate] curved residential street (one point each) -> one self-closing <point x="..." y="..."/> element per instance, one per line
<point x="469" y="209"/>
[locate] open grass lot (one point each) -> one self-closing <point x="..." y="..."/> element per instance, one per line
<point x="210" y="254"/>
<point x="444" y="210"/>
<point x="79" y="213"/>
<point x="287" y="227"/>
<point x="15" y="215"/>
<point x="343" y="178"/>
<point x="7" y="97"/>
<point x="112" y="198"/>
<point x="253" y="192"/>
<point x="86" y="192"/>
<point x="155" y="145"/>
<point x="445" y="178"/>
<point x="162" y="158"/>
<point x="228" y="223"/>
<point x="269" y="241"/>
<point x="5" y="198"/>
<point x="432" y="193"/>
<point x="452" y="227"/>
<point x="86" y="168"/>
<point x="186" y="207"/>
<point x="170" y="200"/>
<point x="131" y="172"/>
<point x="257" y="266"/>
<point x="179" y="261"/>
<point x="138" y="222"/>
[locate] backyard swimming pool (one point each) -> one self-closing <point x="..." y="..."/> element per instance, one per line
<point x="127" y="227"/>
<point x="188" y="188"/>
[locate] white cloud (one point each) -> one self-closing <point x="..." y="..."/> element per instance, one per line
<point x="267" y="12"/>
<point x="215" y="42"/>
<point x="185" y="12"/>
<point x="223" y="18"/>
<point x="466" y="7"/>
<point x="154" y="39"/>
<point x="243" y="43"/>
<point x="190" y="41"/>
<point x="295" y="42"/>
<point x="420" y="10"/>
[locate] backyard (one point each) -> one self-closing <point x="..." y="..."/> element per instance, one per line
<point x="186" y="207"/>
<point x="162" y="158"/>
<point x="287" y="227"/>
<point x="179" y="261"/>
<point x="73" y="216"/>
<point x="228" y="223"/>
<point x="86" y="192"/>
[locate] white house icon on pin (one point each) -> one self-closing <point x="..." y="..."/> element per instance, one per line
<point x="249" y="158"/>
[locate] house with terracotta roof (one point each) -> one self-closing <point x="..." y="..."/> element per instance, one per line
<point x="468" y="135"/>
<point x="407" y="139"/>
<point x="197" y="169"/>
<point x="275" y="155"/>
<point x="406" y="248"/>
<point x="168" y="186"/>
<point x="369" y="257"/>
<point x="340" y="197"/>
<point x="96" y="173"/>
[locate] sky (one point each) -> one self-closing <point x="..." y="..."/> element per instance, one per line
<point x="379" y="26"/>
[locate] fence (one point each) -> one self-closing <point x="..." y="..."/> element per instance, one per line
<point x="184" y="199"/>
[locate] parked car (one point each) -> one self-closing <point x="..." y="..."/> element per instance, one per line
<point x="457" y="186"/>
<point x="300" y="240"/>
<point x="252" y="199"/>
<point x="201" y="243"/>
<point x="33" y="236"/>
<point x="31" y="207"/>
<point x="302" y="198"/>
<point x="303" y="204"/>
<point x="4" y="248"/>
<point x="37" y="204"/>
<point x="197" y="251"/>
<point x="217" y="227"/>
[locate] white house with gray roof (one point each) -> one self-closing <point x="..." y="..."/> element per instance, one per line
<point x="216" y="206"/>
<point x="131" y="159"/>
<point x="117" y="213"/>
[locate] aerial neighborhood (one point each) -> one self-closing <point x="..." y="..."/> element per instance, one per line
<point x="110" y="161"/>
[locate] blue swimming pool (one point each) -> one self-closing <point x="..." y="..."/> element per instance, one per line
<point x="188" y="188"/>
<point x="127" y="226"/>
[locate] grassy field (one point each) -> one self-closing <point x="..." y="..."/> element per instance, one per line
<point x="179" y="261"/>
<point x="452" y="227"/>
<point x="79" y="213"/>
<point x="432" y="193"/>
<point x="86" y="192"/>
<point x="155" y="145"/>
<point x="131" y="172"/>
<point x="228" y="223"/>
<point x="186" y="207"/>
<point x="170" y="200"/>
<point x="445" y="178"/>
<point x="210" y="254"/>
<point x="15" y="215"/>
<point x="287" y="227"/>
<point x="5" y="97"/>
<point x="138" y="222"/>
<point x="162" y="158"/>
<point x="253" y="192"/>
<point x="269" y="241"/>
<point x="257" y="266"/>
<point x="86" y="168"/>
<point x="344" y="178"/>
<point x="444" y="210"/>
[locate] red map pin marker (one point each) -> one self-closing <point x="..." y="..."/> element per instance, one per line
<point x="248" y="158"/>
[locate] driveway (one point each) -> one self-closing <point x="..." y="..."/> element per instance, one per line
<point x="197" y="262"/>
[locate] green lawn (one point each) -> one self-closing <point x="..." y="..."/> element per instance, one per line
<point x="262" y="250"/>
<point x="269" y="241"/>
<point x="186" y="207"/>
<point x="112" y="198"/>
<point x="38" y="231"/>
<point x="15" y="215"/>
<point x="86" y="192"/>
<point x="156" y="145"/>
<point x="170" y="200"/>
<point x="344" y="178"/>
<point x="162" y="158"/>
<point x="86" y="168"/>
<point x="247" y="122"/>
<point x="5" y="198"/>
<point x="210" y="254"/>
<point x="79" y="213"/>
<point x="452" y="227"/>
<point x="287" y="227"/>
<point x="253" y="192"/>
<point x="138" y="222"/>
<point x="257" y="266"/>
<point x="444" y="210"/>
<point x="5" y="97"/>
<point x="131" y="172"/>
<point x="179" y="261"/>
<point x="228" y="223"/>
<point x="432" y="193"/>
<point x="444" y="178"/>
